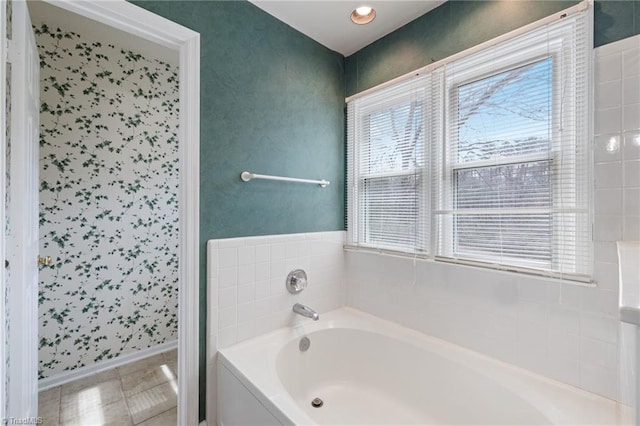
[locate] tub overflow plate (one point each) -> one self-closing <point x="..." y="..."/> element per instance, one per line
<point x="304" y="344"/>
<point x="317" y="403"/>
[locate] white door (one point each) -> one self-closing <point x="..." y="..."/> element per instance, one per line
<point x="22" y="245"/>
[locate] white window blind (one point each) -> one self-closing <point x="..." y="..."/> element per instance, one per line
<point x="515" y="182"/>
<point x="483" y="159"/>
<point x="387" y="168"/>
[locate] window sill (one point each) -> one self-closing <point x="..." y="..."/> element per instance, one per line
<point x="578" y="281"/>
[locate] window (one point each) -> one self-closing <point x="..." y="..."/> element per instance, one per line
<point x="501" y="183"/>
<point x="481" y="159"/>
<point x="390" y="166"/>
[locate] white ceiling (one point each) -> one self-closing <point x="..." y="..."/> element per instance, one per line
<point x="328" y="23"/>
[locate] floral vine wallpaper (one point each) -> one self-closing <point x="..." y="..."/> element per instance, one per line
<point x="108" y="201"/>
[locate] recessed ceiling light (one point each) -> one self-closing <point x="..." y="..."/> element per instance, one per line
<point x="363" y="15"/>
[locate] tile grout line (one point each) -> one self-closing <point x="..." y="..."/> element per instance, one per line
<point x="157" y="415"/>
<point x="124" y="397"/>
<point x="59" y="419"/>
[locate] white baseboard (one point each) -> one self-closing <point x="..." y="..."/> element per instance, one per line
<point x="89" y="370"/>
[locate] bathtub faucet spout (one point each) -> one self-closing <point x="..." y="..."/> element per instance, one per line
<point x="305" y="311"/>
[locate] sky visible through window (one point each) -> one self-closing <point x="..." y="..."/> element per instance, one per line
<point x="506" y="114"/>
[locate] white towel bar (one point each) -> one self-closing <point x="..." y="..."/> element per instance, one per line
<point x="247" y="176"/>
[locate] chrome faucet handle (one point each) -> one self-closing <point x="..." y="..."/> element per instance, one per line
<point x="296" y="281"/>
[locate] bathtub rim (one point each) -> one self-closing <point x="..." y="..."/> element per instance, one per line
<point x="267" y="387"/>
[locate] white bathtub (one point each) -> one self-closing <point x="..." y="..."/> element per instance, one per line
<point x="370" y="371"/>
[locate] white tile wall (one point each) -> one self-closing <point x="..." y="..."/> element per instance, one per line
<point x="617" y="155"/>
<point x="616" y="148"/>
<point x="246" y="287"/>
<point x="561" y="330"/>
<point x="246" y="281"/>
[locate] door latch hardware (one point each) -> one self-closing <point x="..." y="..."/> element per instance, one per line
<point x="44" y="261"/>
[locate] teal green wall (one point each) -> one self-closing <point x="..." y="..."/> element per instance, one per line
<point x="458" y="25"/>
<point x="271" y="102"/>
<point x="615" y="20"/>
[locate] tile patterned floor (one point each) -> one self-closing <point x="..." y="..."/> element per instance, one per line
<point x="140" y="393"/>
